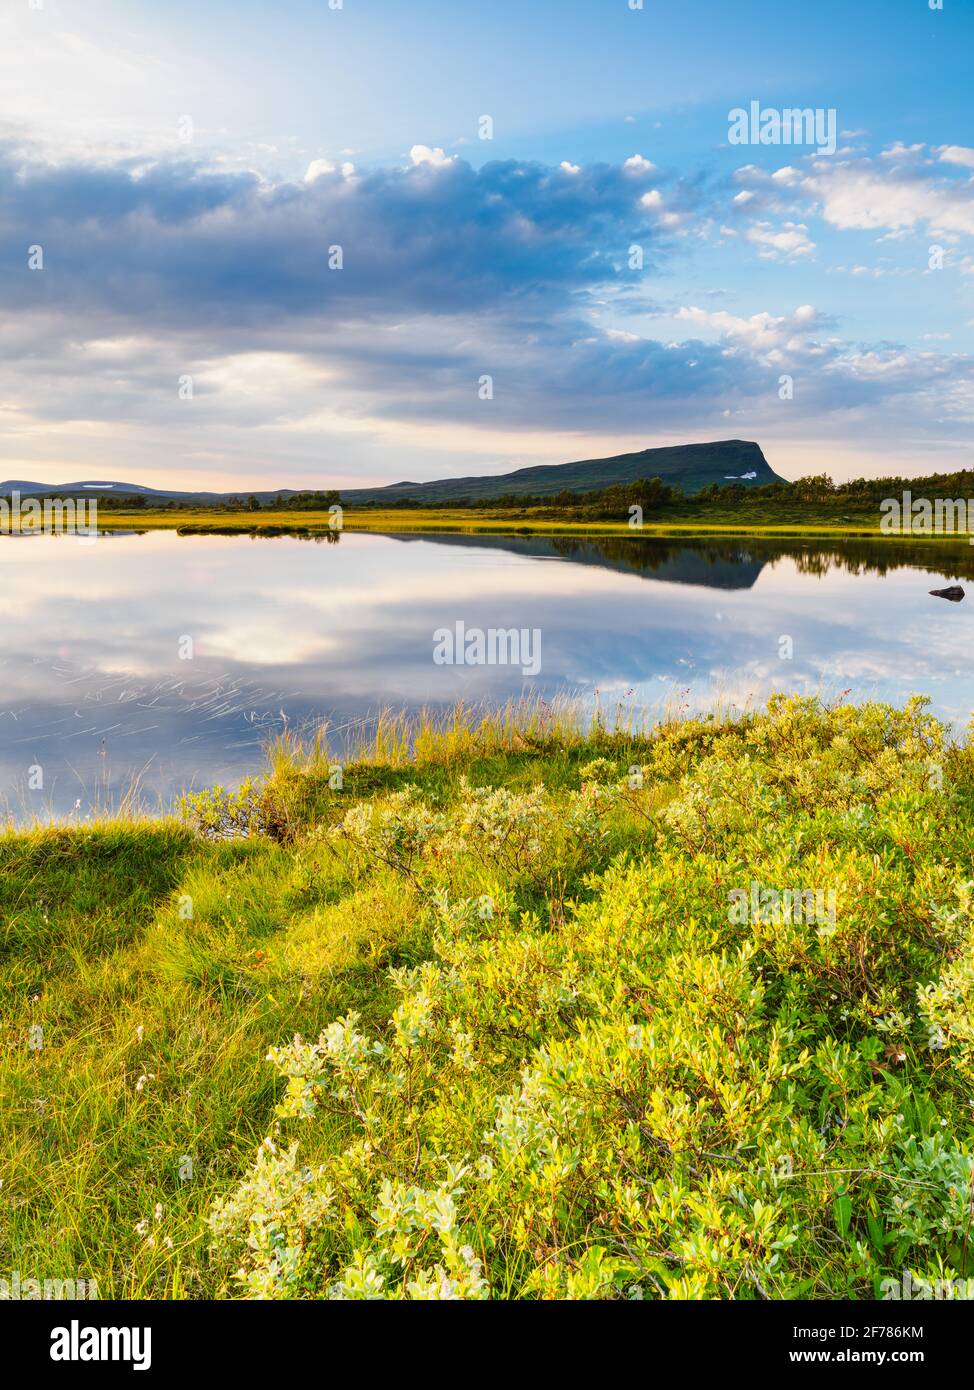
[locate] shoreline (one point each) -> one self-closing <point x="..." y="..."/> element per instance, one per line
<point x="463" y="521"/>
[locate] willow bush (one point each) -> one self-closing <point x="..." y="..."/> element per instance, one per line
<point x="604" y="1080"/>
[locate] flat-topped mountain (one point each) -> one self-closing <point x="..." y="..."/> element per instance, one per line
<point x="688" y="466"/>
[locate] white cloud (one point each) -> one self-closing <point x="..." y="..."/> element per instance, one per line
<point x="789" y="240"/>
<point x="423" y="154"/>
<point x="316" y="168"/>
<point x="957" y="154"/>
<point x="902" y="152"/>
<point x="766" y="335"/>
<point x="636" y="164"/>
<point x="906" y="190"/>
<point x="859" y="197"/>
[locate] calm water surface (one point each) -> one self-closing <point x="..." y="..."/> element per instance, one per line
<point x="93" y="690"/>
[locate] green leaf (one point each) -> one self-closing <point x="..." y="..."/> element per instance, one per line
<point x="842" y="1210"/>
<point x="876" y="1233"/>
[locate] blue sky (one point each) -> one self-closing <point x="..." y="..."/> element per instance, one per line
<point x="185" y="169"/>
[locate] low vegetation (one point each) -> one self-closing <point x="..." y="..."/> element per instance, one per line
<point x="507" y="1008"/>
<point x="810" y="507"/>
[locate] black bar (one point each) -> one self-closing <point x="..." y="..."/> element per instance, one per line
<point x="264" y="1338"/>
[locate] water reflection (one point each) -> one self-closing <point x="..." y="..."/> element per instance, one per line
<point x="96" y="686"/>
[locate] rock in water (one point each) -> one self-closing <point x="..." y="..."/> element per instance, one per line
<point x="955" y="593"/>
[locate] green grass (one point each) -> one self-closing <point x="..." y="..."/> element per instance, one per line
<point x="93" y="948"/>
<point x="93" y="951"/>
<point x="686" y="520"/>
<point x="680" y="1103"/>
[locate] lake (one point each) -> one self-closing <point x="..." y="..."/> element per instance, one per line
<point x="172" y="659"/>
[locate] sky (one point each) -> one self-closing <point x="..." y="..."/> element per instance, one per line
<point x="320" y="244"/>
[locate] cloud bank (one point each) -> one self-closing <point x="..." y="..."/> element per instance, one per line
<point x="339" y="327"/>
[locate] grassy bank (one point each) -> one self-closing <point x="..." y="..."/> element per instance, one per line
<point x="796" y="521"/>
<point x="550" y="1048"/>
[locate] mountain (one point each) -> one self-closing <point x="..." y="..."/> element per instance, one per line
<point x="690" y="466"/>
<point x="95" y="489"/>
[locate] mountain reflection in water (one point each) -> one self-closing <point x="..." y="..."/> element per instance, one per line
<point x="93" y="689"/>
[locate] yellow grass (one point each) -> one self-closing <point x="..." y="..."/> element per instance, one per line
<point x="469" y="521"/>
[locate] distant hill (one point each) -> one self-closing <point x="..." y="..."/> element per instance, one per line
<point x="690" y="466"/>
<point x="126" y="490"/>
<point x="116" y="489"/>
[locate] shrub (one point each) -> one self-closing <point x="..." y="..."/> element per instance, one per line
<point x="632" y="1092"/>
